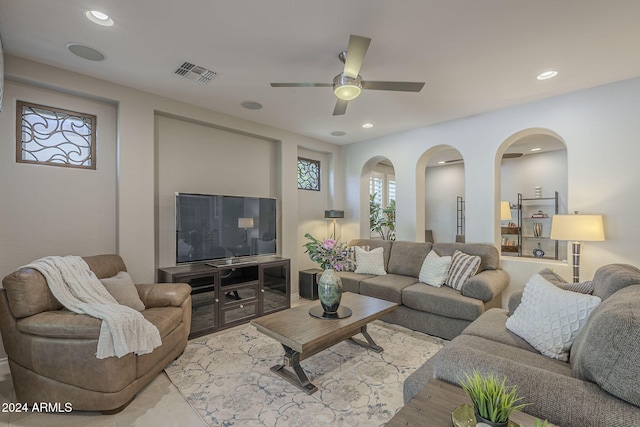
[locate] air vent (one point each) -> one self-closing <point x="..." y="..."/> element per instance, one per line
<point x="195" y="72"/>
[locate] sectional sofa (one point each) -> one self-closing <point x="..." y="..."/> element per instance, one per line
<point x="439" y="311"/>
<point x="599" y="384"/>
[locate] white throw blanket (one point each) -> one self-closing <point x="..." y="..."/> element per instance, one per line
<point x="124" y="330"/>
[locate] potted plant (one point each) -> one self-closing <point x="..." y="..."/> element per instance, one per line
<point x="382" y="220"/>
<point x="493" y="401"/>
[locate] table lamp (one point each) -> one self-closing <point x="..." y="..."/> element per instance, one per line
<point x="577" y="228"/>
<point x="333" y="214"/>
<point x="505" y="211"/>
<point x="245" y="223"/>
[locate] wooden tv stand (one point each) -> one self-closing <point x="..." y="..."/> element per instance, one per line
<point x="225" y="295"/>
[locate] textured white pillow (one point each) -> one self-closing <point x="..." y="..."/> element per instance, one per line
<point x="550" y="318"/>
<point x="370" y="262"/>
<point x="435" y="269"/>
<point x="462" y="267"/>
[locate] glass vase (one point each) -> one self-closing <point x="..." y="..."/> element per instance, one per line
<point x="330" y="290"/>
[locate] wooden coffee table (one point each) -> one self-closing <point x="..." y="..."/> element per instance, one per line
<point x="303" y="335"/>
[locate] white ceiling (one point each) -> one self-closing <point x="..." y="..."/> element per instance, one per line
<point x="474" y="55"/>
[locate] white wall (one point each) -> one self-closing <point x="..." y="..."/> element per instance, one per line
<point x="442" y="185"/>
<point x="600" y="129"/>
<point x="547" y="170"/>
<point x="311" y="207"/>
<point x="50" y="210"/>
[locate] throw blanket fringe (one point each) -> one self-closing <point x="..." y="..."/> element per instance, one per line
<point x="123" y="330"/>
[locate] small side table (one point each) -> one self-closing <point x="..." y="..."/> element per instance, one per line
<point x="435" y="402"/>
<point x="308" y="281"/>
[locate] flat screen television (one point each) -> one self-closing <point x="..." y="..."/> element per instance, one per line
<point x="213" y="227"/>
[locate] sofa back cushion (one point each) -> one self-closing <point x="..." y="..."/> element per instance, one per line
<point x="606" y="351"/>
<point x="104" y="266"/>
<point x="489" y="255"/>
<point x="372" y="244"/>
<point x="29" y="294"/>
<point x="610" y="278"/>
<point x="407" y="257"/>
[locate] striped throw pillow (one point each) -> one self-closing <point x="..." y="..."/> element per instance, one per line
<point x="462" y="267"/>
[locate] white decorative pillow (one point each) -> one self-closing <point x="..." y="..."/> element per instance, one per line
<point x="435" y="269"/>
<point x="550" y="318"/>
<point x="121" y="287"/>
<point x="370" y="262"/>
<point x="462" y="267"/>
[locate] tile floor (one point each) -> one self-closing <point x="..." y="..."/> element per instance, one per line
<point x="159" y="404"/>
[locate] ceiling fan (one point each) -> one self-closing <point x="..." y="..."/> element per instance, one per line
<point x="348" y="84"/>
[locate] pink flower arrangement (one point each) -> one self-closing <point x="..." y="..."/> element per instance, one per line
<point x="328" y="253"/>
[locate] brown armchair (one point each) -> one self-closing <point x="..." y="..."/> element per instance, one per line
<point x="52" y="351"/>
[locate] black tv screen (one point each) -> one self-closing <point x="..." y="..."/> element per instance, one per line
<point x="210" y="227"/>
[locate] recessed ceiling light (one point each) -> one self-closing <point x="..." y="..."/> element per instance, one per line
<point x="99" y="18"/>
<point x="85" y="52"/>
<point x="251" y="105"/>
<point x="338" y="133"/>
<point x="547" y="75"/>
<point x="536" y="149"/>
<point x="367" y="125"/>
<point x="442" y="162"/>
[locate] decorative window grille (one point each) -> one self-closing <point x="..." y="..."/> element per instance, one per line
<point x="55" y="137"/>
<point x="308" y="174"/>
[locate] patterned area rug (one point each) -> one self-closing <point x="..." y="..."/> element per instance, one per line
<point x="225" y="377"/>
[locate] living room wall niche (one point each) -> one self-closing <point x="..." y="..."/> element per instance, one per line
<point x="196" y="158"/>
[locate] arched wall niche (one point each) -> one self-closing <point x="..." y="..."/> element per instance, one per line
<point x="436" y="209"/>
<point x="530" y="158"/>
<point x="376" y="163"/>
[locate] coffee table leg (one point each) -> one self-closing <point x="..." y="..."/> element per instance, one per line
<point x="297" y="377"/>
<point x="370" y="342"/>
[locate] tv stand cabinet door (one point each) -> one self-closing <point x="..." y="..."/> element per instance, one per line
<point x="205" y="299"/>
<point x="275" y="286"/>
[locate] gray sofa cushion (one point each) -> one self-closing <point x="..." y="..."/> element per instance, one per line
<point x="407" y="257"/>
<point x="388" y="287"/>
<point x="486" y="285"/>
<point x="487" y="252"/>
<point x="443" y="301"/>
<point x="606" y="351"/>
<point x="351" y="281"/>
<point x="556" y="395"/>
<point x="491" y="326"/>
<point x="612" y="277"/>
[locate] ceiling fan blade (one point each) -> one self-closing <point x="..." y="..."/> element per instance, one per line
<point x="356" y="51"/>
<point x="301" y="84"/>
<point x="395" y="86"/>
<point x="341" y="107"/>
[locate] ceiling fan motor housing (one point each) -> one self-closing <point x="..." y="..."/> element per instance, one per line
<point x="347" y="88"/>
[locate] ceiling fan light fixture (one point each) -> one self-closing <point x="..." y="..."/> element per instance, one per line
<point x="347" y="88"/>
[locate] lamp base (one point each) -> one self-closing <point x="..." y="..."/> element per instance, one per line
<point x="575" y="249"/>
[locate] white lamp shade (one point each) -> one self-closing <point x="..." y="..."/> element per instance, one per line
<point x="245" y="222"/>
<point x="582" y="228"/>
<point x="505" y="211"/>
